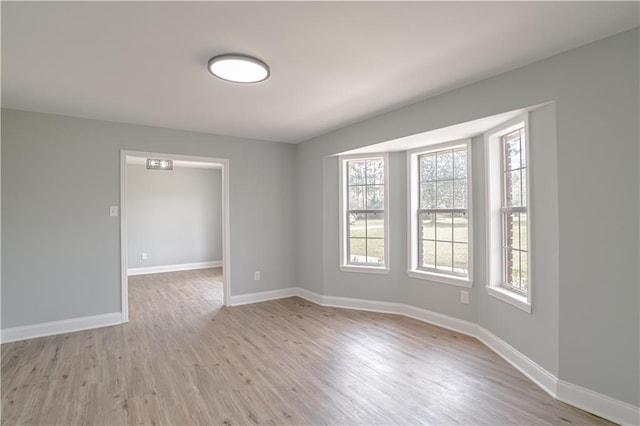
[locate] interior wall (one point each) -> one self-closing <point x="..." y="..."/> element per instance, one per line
<point x="591" y="338"/>
<point x="357" y="284"/>
<point x="61" y="256"/>
<point x="175" y="216"/>
<point x="309" y="205"/>
<point x="541" y="340"/>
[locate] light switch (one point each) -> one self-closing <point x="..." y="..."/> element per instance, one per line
<point x="113" y="211"/>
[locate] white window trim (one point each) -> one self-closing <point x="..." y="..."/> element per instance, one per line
<point x="509" y="296"/>
<point x="412" y="222"/>
<point x="343" y="203"/>
<point x="493" y="160"/>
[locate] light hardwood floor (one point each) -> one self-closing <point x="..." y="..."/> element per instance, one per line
<point x="185" y="359"/>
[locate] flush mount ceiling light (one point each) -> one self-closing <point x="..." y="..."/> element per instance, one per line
<point x="238" y="68"/>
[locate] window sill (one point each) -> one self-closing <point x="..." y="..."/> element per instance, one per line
<point x="510" y="297"/>
<point x="364" y="269"/>
<point x="441" y="278"/>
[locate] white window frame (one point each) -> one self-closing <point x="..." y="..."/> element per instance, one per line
<point x="344" y="205"/>
<point x="495" y="192"/>
<point x="413" y="196"/>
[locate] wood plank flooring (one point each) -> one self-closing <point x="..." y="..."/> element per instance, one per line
<point x="184" y="359"/>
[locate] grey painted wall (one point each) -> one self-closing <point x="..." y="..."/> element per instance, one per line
<point x="541" y="339"/>
<point x="173" y="216"/>
<point x="356" y="284"/>
<point x="61" y="256"/>
<point x="585" y="321"/>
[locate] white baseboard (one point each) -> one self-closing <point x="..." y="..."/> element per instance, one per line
<point x="263" y="296"/>
<point x="58" y="327"/>
<point x="441" y="320"/>
<point x="597" y="403"/>
<point x="309" y="295"/>
<point x="537" y="374"/>
<point x="361" y="304"/>
<point x="174" y="268"/>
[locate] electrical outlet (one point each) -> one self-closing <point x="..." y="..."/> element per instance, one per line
<point x="144" y="256"/>
<point x="464" y="297"/>
<point x="256" y="275"/>
<point x="113" y="211"/>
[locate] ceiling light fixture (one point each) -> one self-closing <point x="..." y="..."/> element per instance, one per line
<point x="159" y="164"/>
<point x="238" y="68"/>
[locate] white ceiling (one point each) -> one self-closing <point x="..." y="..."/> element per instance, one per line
<point x="332" y="63"/>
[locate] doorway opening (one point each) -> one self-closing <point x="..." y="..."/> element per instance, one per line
<point x="134" y="157"/>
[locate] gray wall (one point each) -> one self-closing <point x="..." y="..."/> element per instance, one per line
<point x="173" y="216"/>
<point x="585" y="321"/>
<point x="61" y="256"/>
<point x="541" y="339"/>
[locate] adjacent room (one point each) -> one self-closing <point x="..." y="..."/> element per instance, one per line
<point x="320" y="213"/>
<point x="172" y="219"/>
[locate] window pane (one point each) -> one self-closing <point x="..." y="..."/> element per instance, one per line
<point x="461" y="258"/>
<point x="523" y="147"/>
<point x="357" y="250"/>
<point x="428" y="226"/>
<point x="375" y="225"/>
<point x="512" y="188"/>
<point x="512" y="228"/>
<point x="444" y="222"/>
<point x="523" y="231"/>
<point x="356" y="197"/>
<point x="444" y="164"/>
<point x="428" y="167"/>
<point x="509" y="228"/>
<point x="375" y="172"/>
<point x="513" y="268"/>
<point x="460" y="163"/>
<point x="523" y="190"/>
<point x="356" y="225"/>
<point x="428" y="195"/>
<point x="375" y="251"/>
<point x="460" y="194"/>
<point x="444" y="198"/>
<point x="512" y="151"/>
<point x="524" y="271"/>
<point x="356" y="172"/>
<point x="375" y="197"/>
<point x="460" y="228"/>
<point x="428" y="254"/>
<point x="444" y="256"/>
